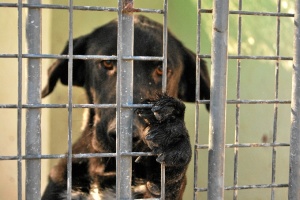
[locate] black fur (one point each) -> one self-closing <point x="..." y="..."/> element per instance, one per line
<point x="159" y="129"/>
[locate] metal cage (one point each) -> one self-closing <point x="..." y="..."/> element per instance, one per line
<point x="216" y="146"/>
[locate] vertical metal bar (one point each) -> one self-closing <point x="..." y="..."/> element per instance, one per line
<point x="197" y="98"/>
<point x="33" y="115"/>
<point x="273" y="175"/>
<point x="219" y="54"/>
<point x="124" y="96"/>
<point x="237" y="111"/>
<point x="70" y="102"/>
<point x="164" y="83"/>
<point x="294" y="176"/>
<point x="165" y="47"/>
<point x="19" y="122"/>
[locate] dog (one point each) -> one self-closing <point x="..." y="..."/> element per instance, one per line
<point x="158" y="128"/>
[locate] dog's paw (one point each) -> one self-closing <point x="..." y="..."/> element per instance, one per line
<point x="167" y="135"/>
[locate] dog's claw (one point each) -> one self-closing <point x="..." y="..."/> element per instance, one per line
<point x="149" y="136"/>
<point x="153" y="188"/>
<point x="161" y="158"/>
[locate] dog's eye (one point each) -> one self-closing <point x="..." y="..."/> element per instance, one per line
<point x="108" y="64"/>
<point x="159" y="70"/>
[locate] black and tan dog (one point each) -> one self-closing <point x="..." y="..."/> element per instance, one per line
<point x="159" y="129"/>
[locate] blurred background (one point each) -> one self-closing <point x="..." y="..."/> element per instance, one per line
<point x="257" y="82"/>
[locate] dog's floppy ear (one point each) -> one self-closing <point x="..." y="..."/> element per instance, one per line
<point x="59" y="69"/>
<point x="188" y="79"/>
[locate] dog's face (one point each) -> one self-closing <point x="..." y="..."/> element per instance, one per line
<point x="99" y="77"/>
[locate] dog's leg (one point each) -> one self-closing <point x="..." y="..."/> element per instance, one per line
<point x="168" y="138"/>
<point x="57" y="186"/>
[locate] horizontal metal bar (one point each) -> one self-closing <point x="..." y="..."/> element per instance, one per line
<point x="137" y="154"/>
<point x="65" y="7"/>
<point x="243" y="187"/>
<point x="145" y="10"/>
<point x="81" y="155"/>
<point x="148" y="199"/>
<point x="75" y="105"/>
<point x="83" y="57"/>
<point x="137" y="105"/>
<point x="144" y="58"/>
<point x="57" y="156"/>
<point x="241" y="145"/>
<point x="82" y="8"/>
<point x="271" y="14"/>
<point x="8" y="5"/>
<point x="250" y="101"/>
<point x="58" y="56"/>
<point x="240" y="12"/>
<point x="259" y="101"/>
<point x="60" y="105"/>
<point x="242" y="57"/>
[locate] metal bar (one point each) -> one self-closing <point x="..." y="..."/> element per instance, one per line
<point x="124" y="96"/>
<point x="217" y="121"/>
<point x="252" y="57"/>
<point x="237" y="111"/>
<point x="197" y="92"/>
<point x="244" y="187"/>
<point x="83" y="8"/>
<point x="19" y="120"/>
<point x="164" y="86"/>
<point x="251" y="101"/>
<point x="33" y="115"/>
<point x="70" y="103"/>
<point x="242" y="12"/>
<point x="83" y="57"/>
<point x="294" y="175"/>
<point x="58" y="56"/>
<point x="8" y="106"/>
<point x="143" y="58"/>
<point x="205" y="146"/>
<point x="75" y="105"/>
<point x="275" y="120"/>
<point x="81" y="155"/>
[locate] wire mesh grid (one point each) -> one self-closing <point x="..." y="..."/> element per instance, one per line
<point x="216" y="187"/>
<point x="217" y="146"/>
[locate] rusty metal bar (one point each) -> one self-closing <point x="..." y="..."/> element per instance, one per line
<point x="217" y="121"/>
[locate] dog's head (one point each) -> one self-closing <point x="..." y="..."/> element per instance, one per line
<point x="99" y="77"/>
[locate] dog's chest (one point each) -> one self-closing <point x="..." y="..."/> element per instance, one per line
<point x="107" y="194"/>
